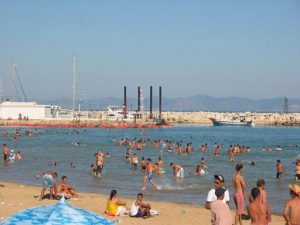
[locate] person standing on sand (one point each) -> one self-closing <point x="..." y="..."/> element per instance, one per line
<point x="259" y="212"/>
<point x="239" y="193"/>
<point x="291" y="212"/>
<point x="211" y="196"/>
<point x="149" y="175"/>
<point x="260" y="184"/>
<point x="49" y="181"/>
<point x="220" y="212"/>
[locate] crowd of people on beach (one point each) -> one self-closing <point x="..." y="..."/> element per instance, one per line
<point x="218" y="198"/>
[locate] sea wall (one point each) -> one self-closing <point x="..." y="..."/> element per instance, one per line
<point x="274" y="119"/>
<point x="97" y="120"/>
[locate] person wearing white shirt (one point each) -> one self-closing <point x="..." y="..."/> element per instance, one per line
<point x="219" y="182"/>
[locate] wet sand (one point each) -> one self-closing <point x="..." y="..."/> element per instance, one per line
<point x="15" y="197"/>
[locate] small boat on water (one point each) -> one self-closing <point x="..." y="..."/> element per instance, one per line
<point x="235" y="121"/>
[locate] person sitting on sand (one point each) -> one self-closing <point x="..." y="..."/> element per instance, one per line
<point x="291" y="212"/>
<point x="139" y="208"/>
<point x="178" y="171"/>
<point x="64" y="189"/>
<point x="49" y="181"/>
<point x="114" y="206"/>
<point x="220" y="212"/>
<point x="258" y="211"/>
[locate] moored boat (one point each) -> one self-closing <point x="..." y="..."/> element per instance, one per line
<point x="232" y="122"/>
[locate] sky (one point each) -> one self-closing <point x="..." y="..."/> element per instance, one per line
<point x="196" y="47"/>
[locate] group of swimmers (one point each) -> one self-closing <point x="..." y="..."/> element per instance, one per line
<point x="10" y="154"/>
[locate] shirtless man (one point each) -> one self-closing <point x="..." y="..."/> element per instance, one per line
<point x="99" y="163"/>
<point x="297" y="170"/>
<point x="134" y="162"/>
<point x="260" y="184"/>
<point x="65" y="189"/>
<point x="239" y="194"/>
<point x="5" y="151"/>
<point x="149" y="175"/>
<point x="291" y="212"/>
<point x="178" y="171"/>
<point x="280" y="169"/>
<point x="231" y="153"/>
<point x="49" y="181"/>
<point x="143" y="164"/>
<point x="160" y="166"/>
<point x="259" y="212"/>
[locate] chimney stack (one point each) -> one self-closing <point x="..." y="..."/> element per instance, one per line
<point x="139" y="99"/>
<point x="159" y="102"/>
<point x="125" y="103"/>
<point x="151" y="106"/>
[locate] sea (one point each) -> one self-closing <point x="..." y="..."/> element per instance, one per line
<point x="58" y="144"/>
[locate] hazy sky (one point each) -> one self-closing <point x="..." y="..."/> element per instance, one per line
<point x="219" y="48"/>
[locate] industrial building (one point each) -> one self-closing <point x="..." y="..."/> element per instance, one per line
<point x="29" y="110"/>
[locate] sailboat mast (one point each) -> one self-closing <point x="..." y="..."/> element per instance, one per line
<point x="74" y="84"/>
<point x="13" y="88"/>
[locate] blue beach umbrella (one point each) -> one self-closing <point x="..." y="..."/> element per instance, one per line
<point x="56" y="214"/>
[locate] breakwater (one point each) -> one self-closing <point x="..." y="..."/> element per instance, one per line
<point x="96" y="119"/>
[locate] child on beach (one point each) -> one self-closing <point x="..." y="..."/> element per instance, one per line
<point x="149" y="175"/>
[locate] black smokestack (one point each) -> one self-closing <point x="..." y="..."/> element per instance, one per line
<point x="139" y="99"/>
<point x="151" y="106"/>
<point x="125" y="102"/>
<point x="159" y="102"/>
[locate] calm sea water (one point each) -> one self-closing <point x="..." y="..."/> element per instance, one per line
<point x="56" y="145"/>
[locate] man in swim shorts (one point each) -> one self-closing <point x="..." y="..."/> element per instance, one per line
<point x="297" y="170"/>
<point x="258" y="211"/>
<point x="280" y="169"/>
<point x="149" y="175"/>
<point x="291" y="212"/>
<point x="178" y="171"/>
<point x="49" y="181"/>
<point x="239" y="194"/>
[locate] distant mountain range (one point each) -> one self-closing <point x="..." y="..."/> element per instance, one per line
<point x="194" y="103"/>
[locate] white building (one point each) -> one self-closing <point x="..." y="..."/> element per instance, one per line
<point x="15" y="110"/>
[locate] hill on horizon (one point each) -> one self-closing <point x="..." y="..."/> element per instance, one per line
<point x="193" y="103"/>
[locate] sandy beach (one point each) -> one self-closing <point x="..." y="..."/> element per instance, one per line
<point x="15" y="197"/>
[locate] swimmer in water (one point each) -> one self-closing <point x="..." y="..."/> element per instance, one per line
<point x="252" y="163"/>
